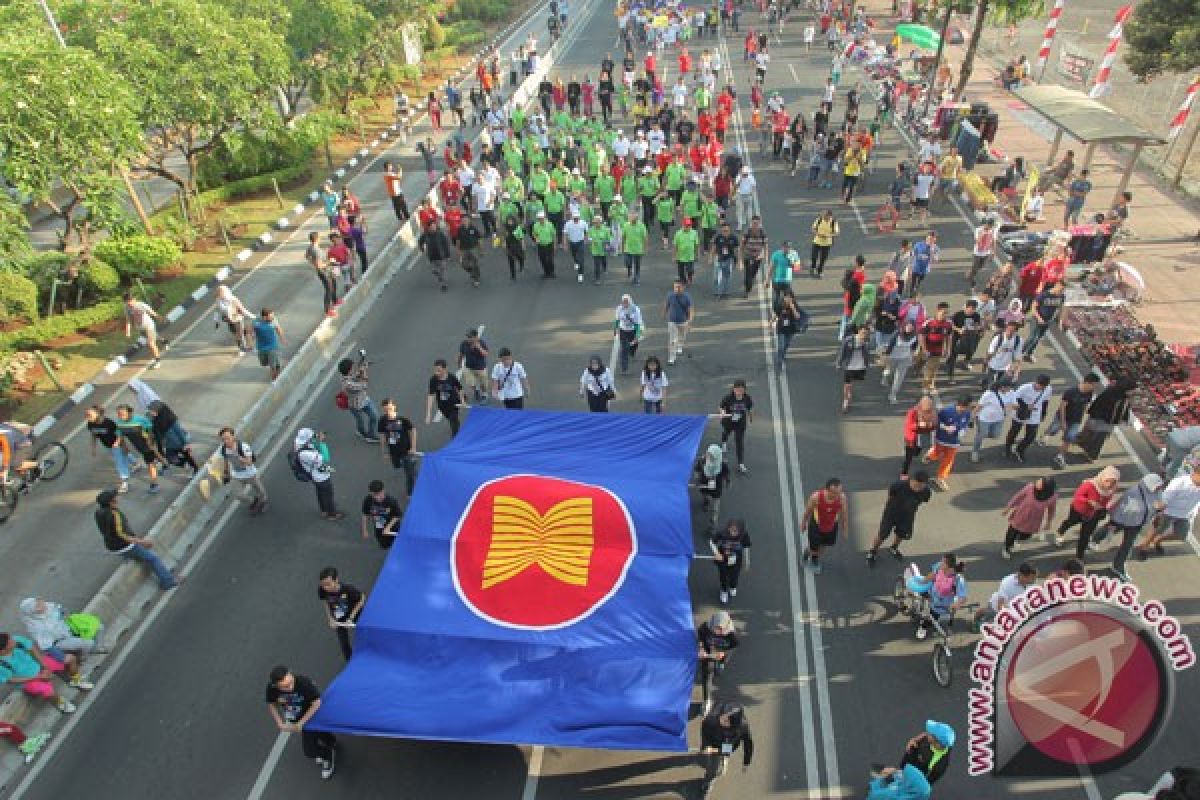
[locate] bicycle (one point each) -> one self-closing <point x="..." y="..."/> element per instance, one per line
<point x="48" y="462"/>
<point x="914" y="602"/>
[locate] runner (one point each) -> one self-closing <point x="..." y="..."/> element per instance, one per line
<point x="398" y="440"/>
<point x="737" y="411"/>
<point x="827" y="512"/>
<point x="446" y="392"/>
<point x="731" y="551"/>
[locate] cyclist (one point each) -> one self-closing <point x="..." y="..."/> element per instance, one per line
<point x="15" y="438"/>
<point x="721" y="733"/>
<point x="717" y="639"/>
<point x="929" y="751"/>
<point x="944" y="586"/>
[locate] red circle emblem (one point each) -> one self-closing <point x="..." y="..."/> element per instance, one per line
<point x="540" y="553"/>
<point x="1084" y="688"/>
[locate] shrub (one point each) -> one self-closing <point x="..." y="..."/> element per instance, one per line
<point x="138" y="256"/>
<point x="18" y="296"/>
<point x="43" y="268"/>
<point x="38" y="333"/>
<point x="99" y="278"/>
<point x="258" y="183"/>
<point x="434" y="36"/>
<point x="246" y="154"/>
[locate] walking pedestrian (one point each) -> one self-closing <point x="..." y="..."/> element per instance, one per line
<point x="398" y="440"/>
<point x="737" y="411"/>
<point x="343" y="604"/>
<point x="924" y="254"/>
<point x="920" y="421"/>
<point x="381" y="515"/>
<point x="901" y="352"/>
<point x="599" y="238"/>
<point x="1136" y="506"/>
<point x="1030" y="511"/>
<point x="634" y="235"/>
<point x="105" y="432"/>
<point x="990" y="412"/>
<point x="1180" y="500"/>
<point x="446" y="392"/>
<point x="745" y="197"/>
<point x="1110" y="409"/>
<point x="712" y="478"/>
<point x="947" y="437"/>
<point x="434" y="243"/>
<point x="596" y="384"/>
<point x="686" y="244"/>
<point x="234" y="315"/>
<point x="654" y="386"/>
<point x="137" y="435"/>
<point x="472" y="364"/>
<point x="544" y="236"/>
<point x="731" y="551"/>
<point x="935" y="341"/>
<point x="241" y="465"/>
<point x="324" y="272"/>
<point x="899" y="517"/>
<point x="1002" y="356"/>
<point x="1077" y="193"/>
<point x="1046" y="308"/>
<point x="723" y="253"/>
<point x="726" y="728"/>
<point x="789" y="320"/>
<point x="717" y="639"/>
<point x="627" y="328"/>
<point x="1089" y="505"/>
<point x="142" y="317"/>
<point x="575" y="242"/>
<point x="968" y="327"/>
<point x="292" y="701"/>
<point x="679" y="312"/>
<point x="853" y="357"/>
<point x="1068" y="419"/>
<point x="268" y="338"/>
<point x="392" y="182"/>
<point x="826" y="511"/>
<point x="468" y="243"/>
<point x="982" y="249"/>
<point x="119" y="539"/>
<point x="754" y="248"/>
<point x="825" y="230"/>
<point x="310" y="466"/>
<point x="510" y="383"/>
<point x="1033" y="403"/>
<point x="358" y="402"/>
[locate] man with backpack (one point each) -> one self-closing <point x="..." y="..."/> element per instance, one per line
<point x="309" y="466"/>
<point x="241" y="465"/>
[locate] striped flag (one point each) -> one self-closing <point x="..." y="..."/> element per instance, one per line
<point x="1051" y="28"/>
<point x="1103" y="85"/>
<point x="1181" y="116"/>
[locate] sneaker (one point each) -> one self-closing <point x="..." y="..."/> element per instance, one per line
<point x="671" y="359"/>
<point x="974" y="457"/>
<point x="154" y="488"/>
<point x="733" y="592"/>
<point x="897" y="554"/>
<point x="579" y="277"/>
<point x="123" y="487"/>
<point x="327" y="768"/>
<point x="1005" y="553"/>
<point x="1019" y="456"/>
<point x="724" y="598"/>
<point x="870" y="558"/>
<point x="30" y="747"/>
<point x="742" y="469"/>
<point x="1060" y="462"/>
<point x="922" y="633"/>
<point x="155" y="364"/>
<point x="64" y="705"/>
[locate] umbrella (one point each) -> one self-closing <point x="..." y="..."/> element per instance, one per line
<point x="920" y="35"/>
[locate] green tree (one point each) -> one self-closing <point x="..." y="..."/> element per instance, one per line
<point x="200" y="70"/>
<point x="1003" y="12"/>
<point x="14" y="243"/>
<point x="67" y="123"/>
<point x="1163" y="36"/>
<point x="331" y="43"/>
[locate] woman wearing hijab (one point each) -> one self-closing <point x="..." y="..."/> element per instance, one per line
<point x="230" y="310"/>
<point x="1129" y="515"/>
<point x="47" y="627"/>
<point x="173" y="441"/>
<point x="712" y="476"/>
<point x="901" y="351"/>
<point x="596" y="384"/>
<point x="1107" y="411"/>
<point x="919" y="424"/>
<point x="1090" y="504"/>
<point x="1030" y="511"/>
<point x="853" y="358"/>
<point x="1015" y="313"/>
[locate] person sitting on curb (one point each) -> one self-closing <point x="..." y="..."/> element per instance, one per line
<point x="28" y="745"/>
<point x="23" y="664"/>
<point x="69" y="641"/>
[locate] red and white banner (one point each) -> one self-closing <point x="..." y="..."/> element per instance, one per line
<point x="1181" y="116"/>
<point x="1051" y="28"/>
<point x="1103" y="86"/>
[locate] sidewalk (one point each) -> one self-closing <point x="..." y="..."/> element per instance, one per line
<point x="1164" y="249"/>
<point x="50" y="547"/>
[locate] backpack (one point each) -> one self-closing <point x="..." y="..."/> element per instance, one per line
<point x="299" y="471"/>
<point x="342" y="400"/>
<point x="847" y="280"/>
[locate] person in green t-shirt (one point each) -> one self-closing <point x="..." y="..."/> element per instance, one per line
<point x="628" y="190"/>
<point x="539" y="181"/>
<point x="599" y="235"/>
<point x="689" y="201"/>
<point x="673" y="178"/>
<point x="556" y="205"/>
<point x="633" y="238"/>
<point x="664" y="213"/>
<point x="544" y="236"/>
<point x="687" y="243"/>
<point x="606" y="190"/>
<point x="710" y="215"/>
<point x="517" y="117"/>
<point x="648" y="187"/>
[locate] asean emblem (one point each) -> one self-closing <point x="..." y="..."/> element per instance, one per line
<point x="541" y="553"/>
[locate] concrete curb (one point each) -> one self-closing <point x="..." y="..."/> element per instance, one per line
<point x="132" y="589"/>
<point x="263" y="242"/>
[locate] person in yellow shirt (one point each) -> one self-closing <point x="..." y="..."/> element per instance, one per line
<point x="825" y="230"/>
<point x="949" y="172"/>
<point x="851" y="170"/>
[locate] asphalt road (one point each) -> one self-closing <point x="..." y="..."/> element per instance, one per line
<point x="832" y="680"/>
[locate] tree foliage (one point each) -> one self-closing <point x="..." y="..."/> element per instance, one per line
<point x="67" y="123"/>
<point x="1163" y="36"/>
<point x="1004" y="12"/>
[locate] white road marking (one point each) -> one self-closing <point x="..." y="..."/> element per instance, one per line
<point x="535" y="772"/>
<point x="858" y="215"/>
<point x="264" y="775"/>
<point x="795" y="77"/>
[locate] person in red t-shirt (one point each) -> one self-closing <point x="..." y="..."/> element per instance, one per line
<point x="450" y="190"/>
<point x="722" y="188"/>
<point x="662" y="160"/>
<point x="725" y="101"/>
<point x="1093" y="496"/>
<point x="618" y="170"/>
<point x="935" y="338"/>
<point x="721" y="124"/>
<point x="685" y="62"/>
<point x="696" y="156"/>
<point x="1030" y="281"/>
<point x="339" y="257"/>
<point x="704" y="125"/>
<point x="449" y="158"/>
<point x="427" y="215"/>
<point x="826" y="512"/>
<point x="650" y="63"/>
<point x="1054" y="270"/>
<point x="779" y="125"/>
<point x="454" y="220"/>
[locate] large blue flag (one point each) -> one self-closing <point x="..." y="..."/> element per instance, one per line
<point x="537" y="592"/>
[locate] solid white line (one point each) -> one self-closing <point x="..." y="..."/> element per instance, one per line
<point x="858" y="215"/>
<point x="782" y="413"/>
<point x="264" y="775"/>
<point x="535" y="771"/>
<point x="795" y="77"/>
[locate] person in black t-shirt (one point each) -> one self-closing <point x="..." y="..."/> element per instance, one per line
<point x="1046" y="308"/>
<point x="343" y="603"/>
<point x="731" y="552"/>
<point x="717" y="639"/>
<point x="104" y="432"/>
<point x="968" y="326"/>
<point x="468" y="249"/>
<point x="724" y="250"/>
<point x="381" y="514"/>
<point x="721" y="733"/>
<point x="900" y="513"/>
<point x="736" y="410"/>
<point x="398" y="438"/>
<point x="1069" y="418"/>
<point x="446" y="392"/>
<point x="292" y="700"/>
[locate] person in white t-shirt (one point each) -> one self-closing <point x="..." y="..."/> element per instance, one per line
<point x="990" y="413"/>
<point x="679" y="94"/>
<point x="240" y="466"/>
<point x="654" y="386"/>
<point x="620" y="145"/>
<point x="1032" y="400"/>
<point x="922" y="186"/>
<point x="657" y="140"/>
<point x="745" y="198"/>
<point x="510" y="384"/>
<point x="1179" y="503"/>
<point x="1011" y="587"/>
<point x="141" y="316"/>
